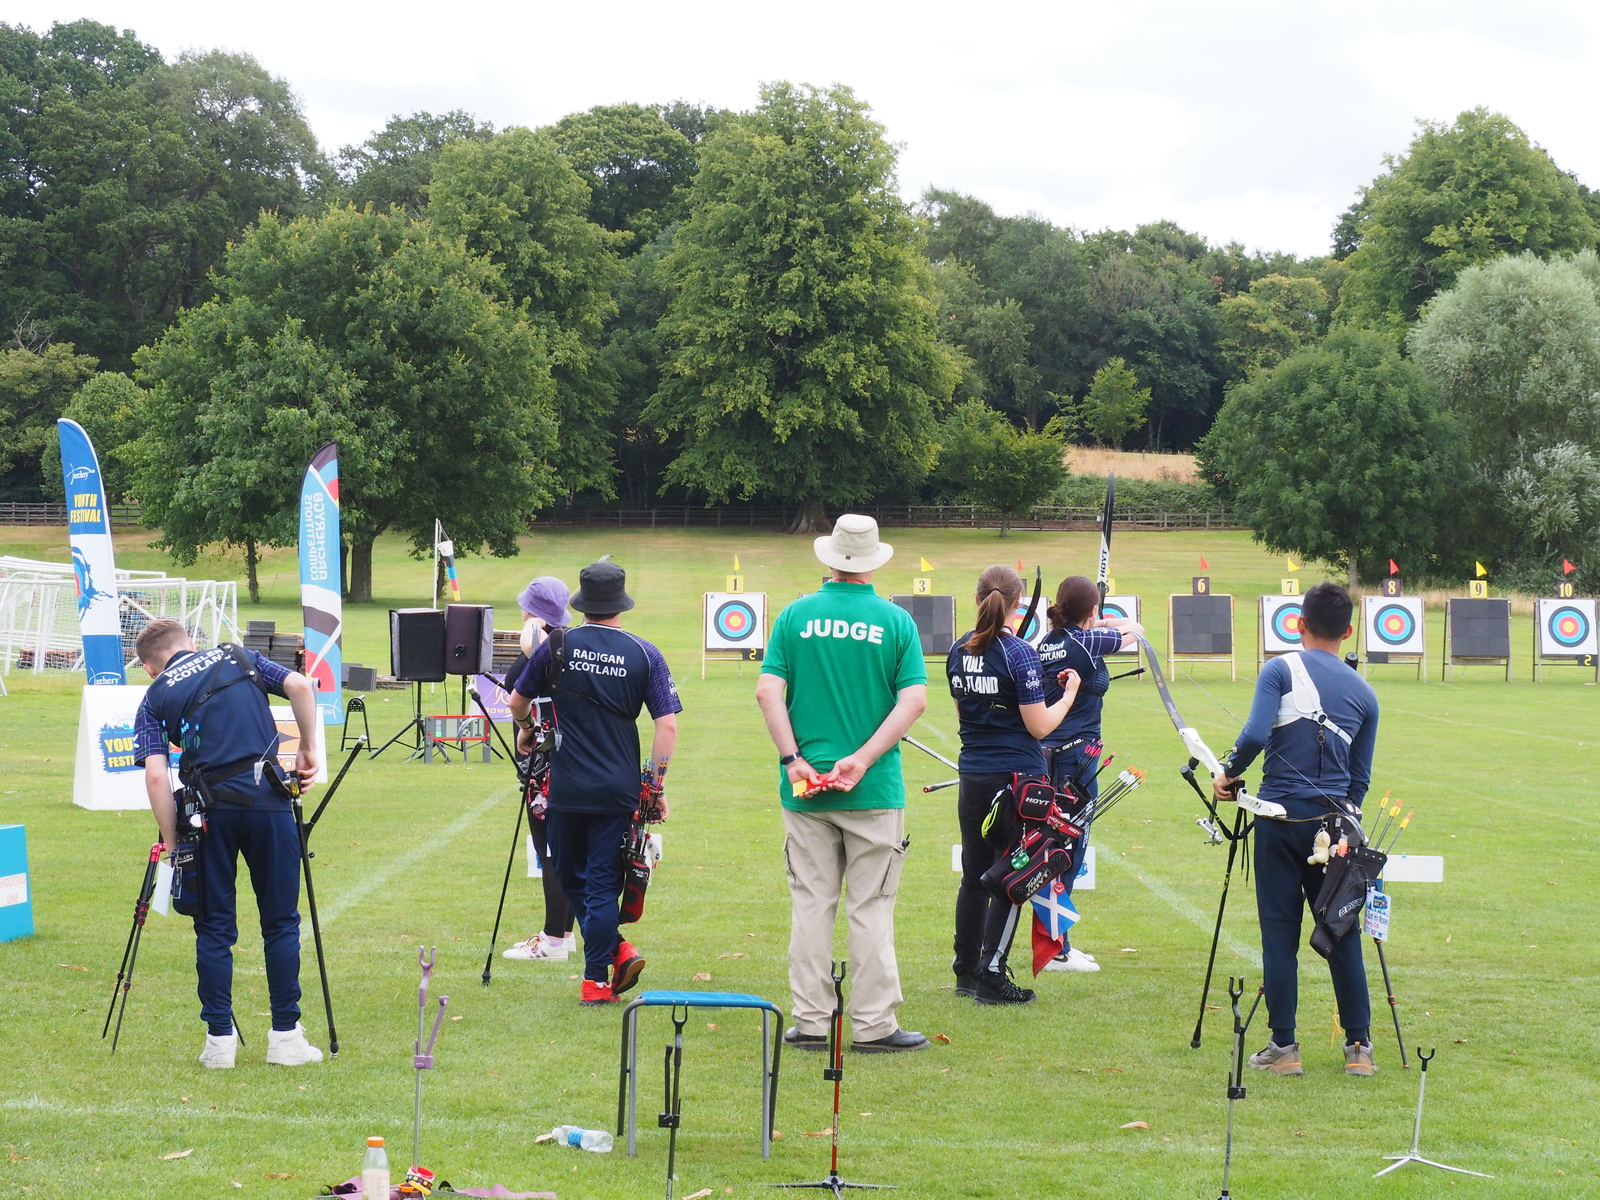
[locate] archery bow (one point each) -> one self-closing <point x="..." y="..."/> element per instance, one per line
<point x="1201" y="754"/>
<point x="1033" y="606"/>
<point x="1103" y="580"/>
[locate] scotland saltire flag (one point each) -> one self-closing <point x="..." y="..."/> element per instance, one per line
<point x="1053" y="914"/>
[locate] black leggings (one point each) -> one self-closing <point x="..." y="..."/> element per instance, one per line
<point x="557" y="912"/>
<point x="985" y="924"/>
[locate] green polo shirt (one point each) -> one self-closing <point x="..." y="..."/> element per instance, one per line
<point x="845" y="653"/>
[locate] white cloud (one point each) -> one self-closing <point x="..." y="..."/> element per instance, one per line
<point x="1247" y="121"/>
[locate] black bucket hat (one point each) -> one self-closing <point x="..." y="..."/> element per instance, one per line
<point x="601" y="589"/>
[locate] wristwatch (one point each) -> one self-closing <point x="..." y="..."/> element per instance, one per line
<point x="788" y="758"/>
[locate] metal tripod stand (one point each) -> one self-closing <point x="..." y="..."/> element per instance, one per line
<point x="1236" y="1070"/>
<point x="1415" y="1154"/>
<point x="304" y="827"/>
<point x="834" y="1073"/>
<point x="130" y="952"/>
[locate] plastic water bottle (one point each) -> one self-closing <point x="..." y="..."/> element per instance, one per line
<point x="375" y="1171"/>
<point x="597" y="1141"/>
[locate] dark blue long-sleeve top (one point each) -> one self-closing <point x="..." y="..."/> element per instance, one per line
<point x="1298" y="765"/>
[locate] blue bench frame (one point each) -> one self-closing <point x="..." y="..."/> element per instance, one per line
<point x="771" y="1048"/>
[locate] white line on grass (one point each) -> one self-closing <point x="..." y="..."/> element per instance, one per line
<point x="1186" y="910"/>
<point x="345" y="901"/>
<point x="1506" y="729"/>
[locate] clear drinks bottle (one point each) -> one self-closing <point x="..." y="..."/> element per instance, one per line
<point x="375" y="1171"/>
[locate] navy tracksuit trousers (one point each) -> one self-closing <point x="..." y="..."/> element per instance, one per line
<point x="265" y="835"/>
<point x="1286" y="886"/>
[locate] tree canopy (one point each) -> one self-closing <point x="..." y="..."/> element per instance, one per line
<point x="986" y="460"/>
<point x="361" y="327"/>
<point x="804" y="360"/>
<point x="1338" y="453"/>
<point x="125" y="177"/>
<point x="1462" y="194"/>
<point x="1514" y="350"/>
<point x="393" y="167"/>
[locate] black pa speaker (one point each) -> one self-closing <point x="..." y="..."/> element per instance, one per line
<point x="468" y="638"/>
<point x="416" y="644"/>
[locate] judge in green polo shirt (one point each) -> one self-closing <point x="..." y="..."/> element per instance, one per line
<point x="842" y="682"/>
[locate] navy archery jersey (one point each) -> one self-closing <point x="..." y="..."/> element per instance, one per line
<point x="1298" y="764"/>
<point x="988" y="688"/>
<point x="1084" y="651"/>
<point x="608" y="676"/>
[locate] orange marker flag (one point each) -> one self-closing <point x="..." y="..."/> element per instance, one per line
<point x="1019" y="567"/>
<point x="1204" y="566"/>
<point x="1394" y="567"/>
<point x="1567" y="568"/>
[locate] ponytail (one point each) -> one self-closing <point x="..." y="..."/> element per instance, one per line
<point x="999" y="590"/>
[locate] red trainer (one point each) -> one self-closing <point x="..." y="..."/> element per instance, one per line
<point x="597" y="993"/>
<point x="626" y="967"/>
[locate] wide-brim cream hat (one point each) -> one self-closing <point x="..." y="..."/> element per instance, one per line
<point x="853" y="546"/>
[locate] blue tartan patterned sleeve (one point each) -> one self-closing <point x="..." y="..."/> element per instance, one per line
<point x="1100" y="642"/>
<point x="661" y="694"/>
<point x="1026" y="670"/>
<point x="148" y="737"/>
<point x="530" y="684"/>
<point x="272" y="675"/>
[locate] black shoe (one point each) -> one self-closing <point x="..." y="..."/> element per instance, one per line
<point x="967" y="985"/>
<point x="899" y="1040"/>
<point x="995" y="987"/>
<point x="796" y="1040"/>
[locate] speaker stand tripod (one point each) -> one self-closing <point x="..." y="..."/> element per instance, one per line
<point x="416" y="728"/>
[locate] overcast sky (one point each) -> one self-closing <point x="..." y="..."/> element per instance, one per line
<point x="1247" y="121"/>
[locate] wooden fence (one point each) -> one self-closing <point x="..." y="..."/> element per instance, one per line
<point x="927" y="516"/>
<point x="123" y="516"/>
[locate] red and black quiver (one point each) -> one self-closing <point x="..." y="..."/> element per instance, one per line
<point x="638" y="861"/>
<point x="1033" y="826"/>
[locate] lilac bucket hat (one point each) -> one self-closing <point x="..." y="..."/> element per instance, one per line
<point x="546" y="598"/>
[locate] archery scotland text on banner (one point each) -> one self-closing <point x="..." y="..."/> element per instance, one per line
<point x="321" y="598"/>
<point x="93" y="563"/>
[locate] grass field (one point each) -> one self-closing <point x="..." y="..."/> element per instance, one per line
<point x="1496" y="967"/>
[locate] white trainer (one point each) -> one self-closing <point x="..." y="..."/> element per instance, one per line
<point x="220" y="1051"/>
<point x="1072" y="960"/>
<point x="570" y="942"/>
<point x="540" y="948"/>
<point x="289" y="1048"/>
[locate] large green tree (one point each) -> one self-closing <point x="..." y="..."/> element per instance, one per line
<point x="804" y="360"/>
<point x="987" y="461"/>
<point x="36" y="384"/>
<point x="1514" y="349"/>
<point x="1339" y="453"/>
<point x="637" y="166"/>
<point x="124" y="178"/>
<point x="369" y="329"/>
<point x="111" y="409"/>
<point x="517" y="200"/>
<point x="1462" y="194"/>
<point x="393" y="167"/>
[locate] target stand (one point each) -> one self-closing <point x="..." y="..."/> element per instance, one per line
<point x="1278" y="630"/>
<point x="1564" y="635"/>
<point x="734" y="627"/>
<point x="1476" y="632"/>
<point x="1393" y="630"/>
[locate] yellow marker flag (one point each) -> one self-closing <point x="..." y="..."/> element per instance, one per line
<point x="926" y="565"/>
<point x="1289" y="558"/>
<point x="1482" y="570"/>
<point x="735" y="562"/>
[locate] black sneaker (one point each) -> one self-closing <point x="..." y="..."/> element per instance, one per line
<point x="796" y="1040"/>
<point x="967" y="985"/>
<point x="995" y="987"/>
<point x="898" y="1041"/>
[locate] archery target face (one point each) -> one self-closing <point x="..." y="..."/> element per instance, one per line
<point x="1567" y="627"/>
<point x="1122" y="606"/>
<point x="1034" y="633"/>
<point x="736" y="620"/>
<point x="1280" y="630"/>
<point x="1394" y="624"/>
